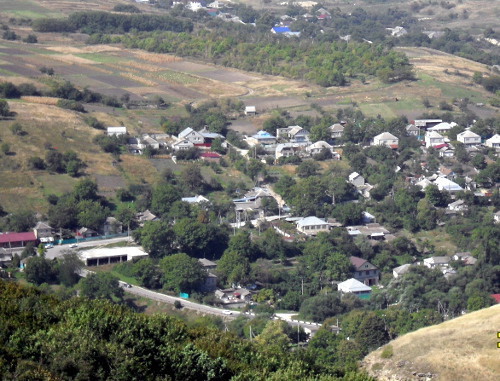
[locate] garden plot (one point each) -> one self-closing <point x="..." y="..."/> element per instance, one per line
<point x="227" y="76"/>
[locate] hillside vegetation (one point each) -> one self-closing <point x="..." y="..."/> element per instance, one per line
<point x="460" y="349"/>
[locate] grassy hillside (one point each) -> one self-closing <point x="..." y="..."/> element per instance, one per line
<point x="464" y="348"/>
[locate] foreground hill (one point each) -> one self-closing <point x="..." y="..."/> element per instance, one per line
<point x="460" y="349"/>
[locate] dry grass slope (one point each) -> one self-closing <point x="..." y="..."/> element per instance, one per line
<point x="464" y="348"/>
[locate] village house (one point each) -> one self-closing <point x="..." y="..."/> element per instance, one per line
<point x="493" y="142"/>
<point x="446" y="151"/>
<point x="86" y="233"/>
<point x="145" y="216"/>
<point x="445" y="184"/>
<point x="112" y="226"/>
<point x="412" y="130"/>
<point x="250" y="110"/>
<point x="195" y="200"/>
<point x="211" y="157"/>
<point x="319" y="146"/>
<point x="312" y="225"/>
<point x="191" y="135"/>
<point x="458" y="206"/>
<point x="42" y="230"/>
<point x="496" y="217"/>
<point x="252" y="199"/>
<point x="433" y="139"/>
<point x="15" y="240"/>
<point x="356" y="179"/>
<point x="469" y="138"/>
<point x="353" y="286"/>
<point x="426" y="123"/>
<point x="437" y="262"/>
<point x="182" y="145"/>
<point x="401" y="270"/>
<point x="364" y="271"/>
<point x="336" y="131"/>
<point x="207" y="264"/>
<point x="5" y="257"/>
<point x="288" y="149"/>
<point x="294" y="134"/>
<point x="386" y="139"/>
<point x="466" y="258"/>
<point x="262" y="137"/>
<point x="443" y="127"/>
<point x="116" y="131"/>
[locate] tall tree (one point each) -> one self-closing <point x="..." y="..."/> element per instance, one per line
<point x="181" y="273"/>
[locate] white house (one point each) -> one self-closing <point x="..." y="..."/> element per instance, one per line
<point x="411" y="129"/>
<point x="261" y="137"/>
<point x="496" y="217"/>
<point x="493" y="142"/>
<point x="319" y="146"/>
<point x="116" y="131"/>
<point x="312" y="225"/>
<point x="182" y="144"/>
<point x="469" y="138"/>
<point x="436" y="262"/>
<point x="195" y="199"/>
<point x="458" y="206"/>
<point x="386" y="139"/>
<point x="445" y="184"/>
<point x="288" y="149"/>
<point x="353" y="286"/>
<point x="442" y="127"/>
<point x="250" y="110"/>
<point x="356" y="179"/>
<point x="401" y="270"/>
<point x="193" y="136"/>
<point x="433" y="138"/>
<point x="336" y="131"/>
<point x="447" y="151"/>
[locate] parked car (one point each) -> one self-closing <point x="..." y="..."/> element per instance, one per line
<point x="49" y="246"/>
<point x="227" y="312"/>
<point x="73" y="245"/>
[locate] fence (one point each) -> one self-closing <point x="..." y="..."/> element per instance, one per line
<point x="79" y="240"/>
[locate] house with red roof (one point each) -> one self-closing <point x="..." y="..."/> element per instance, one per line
<point x="13" y="240"/>
<point x="364" y="271"/>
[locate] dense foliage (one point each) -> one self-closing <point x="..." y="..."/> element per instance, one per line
<point x="44" y="338"/>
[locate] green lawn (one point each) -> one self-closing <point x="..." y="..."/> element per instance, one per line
<point x="26" y="9"/>
<point x="56" y="184"/>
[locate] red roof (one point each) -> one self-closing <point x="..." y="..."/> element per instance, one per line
<point x="17" y="237"/>
<point x="394" y="146"/>
<point x="211" y="155"/>
<point x="496" y="297"/>
<point x="440" y="146"/>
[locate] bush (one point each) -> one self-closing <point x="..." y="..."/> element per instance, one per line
<point x="30" y="39"/>
<point x="388" y="352"/>
<point x="177" y="304"/>
<point x="70" y="105"/>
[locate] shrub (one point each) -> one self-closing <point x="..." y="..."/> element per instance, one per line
<point x="70" y="105"/>
<point x="388" y="352"/>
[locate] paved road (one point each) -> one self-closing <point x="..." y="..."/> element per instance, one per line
<point x="58" y="250"/>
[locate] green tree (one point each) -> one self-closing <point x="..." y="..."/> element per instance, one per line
<point x="101" y="285"/>
<point x="91" y="214"/>
<point x="308" y="168"/>
<point x="320" y="132"/>
<point x="85" y="189"/>
<point x="39" y="270"/>
<point x="181" y="273"/>
<point x="68" y="268"/>
<point x="164" y="195"/>
<point x="372" y="332"/>
<point x="192" y="179"/>
<point x="4" y="108"/>
<point x="233" y="267"/>
<point x="157" y="238"/>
